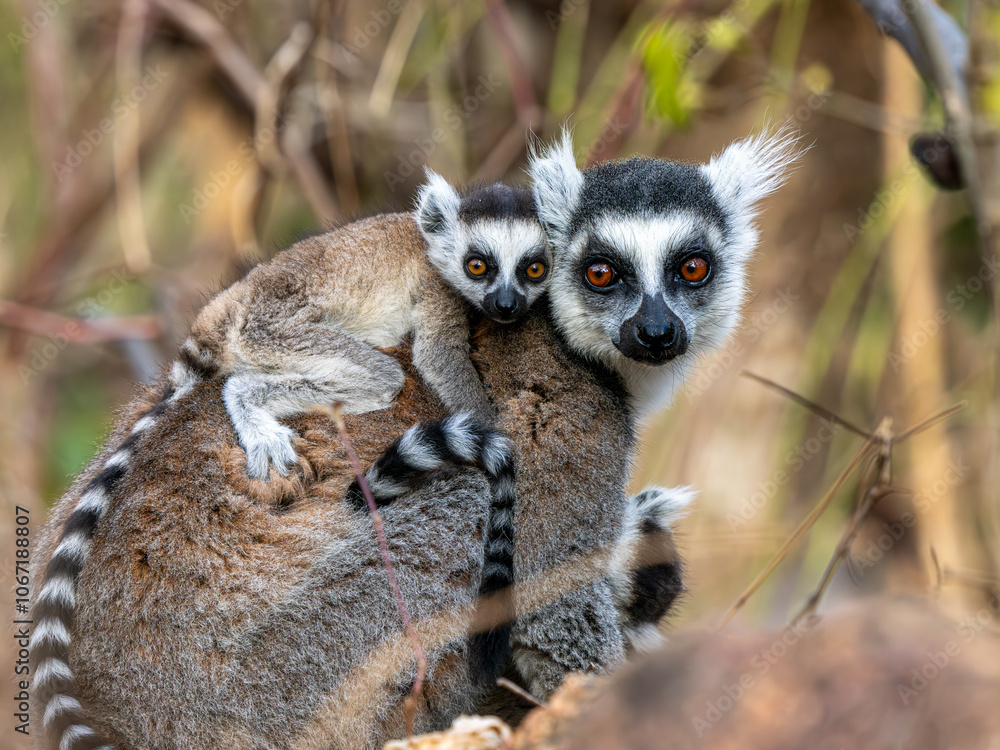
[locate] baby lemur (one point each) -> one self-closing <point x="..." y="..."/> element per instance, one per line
<point x="299" y="331"/>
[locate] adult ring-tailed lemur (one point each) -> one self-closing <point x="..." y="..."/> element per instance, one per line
<point x="263" y="618"/>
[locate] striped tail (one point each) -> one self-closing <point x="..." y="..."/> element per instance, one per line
<point x="647" y="571"/>
<point x="459" y="439"/>
<point x="192" y="366"/>
<point x="55" y="607"/>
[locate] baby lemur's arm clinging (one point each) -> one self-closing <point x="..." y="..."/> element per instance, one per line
<point x="302" y="329"/>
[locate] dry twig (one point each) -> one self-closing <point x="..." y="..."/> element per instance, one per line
<point x="520" y="80"/>
<point x="519" y="691"/>
<point x="971" y="578"/>
<point x="268" y="102"/>
<point x="879" y="487"/>
<point x="128" y="185"/>
<point x="799" y="532"/>
<point x="384" y="88"/>
<point x="418" y="683"/>
<point x="77" y="330"/>
<point x="331" y="106"/>
<point x="803" y="401"/>
<point x="251" y="84"/>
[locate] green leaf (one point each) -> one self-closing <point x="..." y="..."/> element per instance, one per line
<point x="665" y="53"/>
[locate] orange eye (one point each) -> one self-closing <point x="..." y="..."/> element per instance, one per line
<point x="601" y="275"/>
<point x="535" y="270"/>
<point x="695" y="269"/>
<point x="476" y="267"/>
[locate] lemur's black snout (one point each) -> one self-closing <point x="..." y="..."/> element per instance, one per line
<point x="657" y="335"/>
<point x="505" y="305"/>
<point x="654" y="335"/>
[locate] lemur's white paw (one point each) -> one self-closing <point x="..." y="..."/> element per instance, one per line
<point x="268" y="442"/>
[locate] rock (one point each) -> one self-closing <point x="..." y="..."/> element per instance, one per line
<point x="882" y="674"/>
<point x="466" y="733"/>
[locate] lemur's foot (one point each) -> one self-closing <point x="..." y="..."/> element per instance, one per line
<point x="267" y="442"/>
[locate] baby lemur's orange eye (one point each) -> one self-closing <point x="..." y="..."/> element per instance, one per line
<point x="695" y="269"/>
<point x="535" y="270"/>
<point x="476" y="267"/>
<point x="600" y="274"/>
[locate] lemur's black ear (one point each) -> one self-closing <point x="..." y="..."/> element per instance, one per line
<point x="437" y="206"/>
<point x="557" y="184"/>
<point x="751" y="169"/>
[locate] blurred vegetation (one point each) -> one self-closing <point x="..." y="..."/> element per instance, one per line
<point x="151" y="149"/>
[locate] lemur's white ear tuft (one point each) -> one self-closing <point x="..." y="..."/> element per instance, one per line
<point x="557" y="184"/>
<point x="437" y="206"/>
<point x="751" y="169"/>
